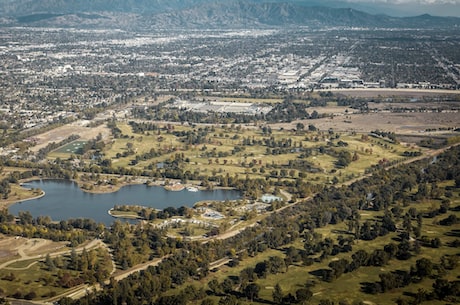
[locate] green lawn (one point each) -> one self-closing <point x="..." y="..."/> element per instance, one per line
<point x="72" y="148"/>
<point x="29" y="280"/>
<point x="204" y="158"/>
<point x="348" y="286"/>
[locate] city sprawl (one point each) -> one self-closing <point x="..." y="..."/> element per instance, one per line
<point x="52" y="74"/>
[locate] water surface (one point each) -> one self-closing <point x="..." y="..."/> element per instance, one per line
<point x="64" y="200"/>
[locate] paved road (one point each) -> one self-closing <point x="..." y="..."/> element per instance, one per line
<point x="81" y="291"/>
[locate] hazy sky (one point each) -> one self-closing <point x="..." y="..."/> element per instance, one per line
<point x="415" y="2"/>
<point x="414" y="7"/>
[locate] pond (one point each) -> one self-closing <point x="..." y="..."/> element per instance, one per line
<point x="64" y="200"/>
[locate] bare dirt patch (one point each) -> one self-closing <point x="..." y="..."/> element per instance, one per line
<point x="175" y="187"/>
<point x="388" y="92"/>
<point x="25" y="247"/>
<point x="38" y="246"/>
<point x="400" y="123"/>
<point x="8" y="246"/>
<point x="61" y="133"/>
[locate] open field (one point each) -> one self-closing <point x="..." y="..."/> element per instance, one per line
<point x="400" y="123"/>
<point x="388" y="92"/>
<point x="23" y="268"/>
<point x="72" y="148"/>
<point x="14" y="248"/>
<point x="348" y="287"/>
<point x="285" y="153"/>
<point x="217" y="155"/>
<point x="61" y="133"/>
<point x="223" y="151"/>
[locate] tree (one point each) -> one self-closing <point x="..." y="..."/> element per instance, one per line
<point x="207" y="302"/>
<point x="424" y="267"/>
<point x="344" y="159"/>
<point x="338" y="267"/>
<point x="49" y="263"/>
<point x="252" y="291"/>
<point x="277" y="294"/>
<point x="229" y="300"/>
<point x="227" y="285"/>
<point x="441" y="288"/>
<point x="214" y="286"/>
<point x="436" y="242"/>
<point x="246" y="275"/>
<point x="31" y="295"/>
<point x="25" y="217"/>
<point x="300" y="127"/>
<point x="360" y="258"/>
<point x="171" y="300"/>
<point x="73" y="259"/>
<point x="303" y="295"/>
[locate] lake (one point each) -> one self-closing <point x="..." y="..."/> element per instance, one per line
<point x="64" y="200"/>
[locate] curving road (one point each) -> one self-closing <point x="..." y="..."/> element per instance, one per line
<point x="81" y="291"/>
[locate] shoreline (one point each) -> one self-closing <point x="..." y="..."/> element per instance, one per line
<point x="101" y="190"/>
<point x="123" y="216"/>
<point x="7" y="203"/>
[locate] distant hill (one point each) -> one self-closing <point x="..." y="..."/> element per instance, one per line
<point x="148" y="14"/>
<point x="29" y="7"/>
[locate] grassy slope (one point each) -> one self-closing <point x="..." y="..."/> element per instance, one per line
<point x="222" y="141"/>
<point x="347" y="287"/>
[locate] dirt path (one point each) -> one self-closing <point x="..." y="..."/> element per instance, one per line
<point x="81" y="291"/>
<point x="24" y="256"/>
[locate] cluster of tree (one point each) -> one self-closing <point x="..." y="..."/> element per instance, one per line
<point x="142" y="127"/>
<point x="93" y="266"/>
<point x="116" y="132"/>
<point x="301" y="296"/>
<point x="330" y="205"/>
<point x="151" y="213"/>
<point x="387" y="135"/>
<point x="450" y="220"/>
<point x="400" y="278"/>
<point x="162" y="112"/>
<point x="5" y="188"/>
<point x="411" y="153"/>
<point x="361" y="258"/>
<point x="355" y="103"/>
<point x="287" y="111"/>
<point x="76" y="231"/>
<point x="96" y="144"/>
<point x="152" y="153"/>
<point x="196" y="136"/>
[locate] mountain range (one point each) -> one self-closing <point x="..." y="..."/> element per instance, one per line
<point x="147" y="14"/>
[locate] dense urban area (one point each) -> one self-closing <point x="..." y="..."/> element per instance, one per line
<point x="342" y="144"/>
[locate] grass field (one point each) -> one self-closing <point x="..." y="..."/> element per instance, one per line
<point x="248" y="151"/>
<point x="33" y="279"/>
<point x="28" y="280"/>
<point x="217" y="155"/>
<point x="348" y="286"/>
<point x="72" y="148"/>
